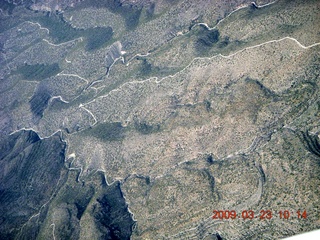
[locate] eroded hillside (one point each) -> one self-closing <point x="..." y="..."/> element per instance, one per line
<point x="135" y="120"/>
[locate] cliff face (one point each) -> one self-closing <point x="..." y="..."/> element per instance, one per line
<point x="138" y="119"/>
<point x="31" y="174"/>
<point x="39" y="198"/>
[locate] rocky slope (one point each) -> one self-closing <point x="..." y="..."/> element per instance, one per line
<point x="137" y="119"/>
